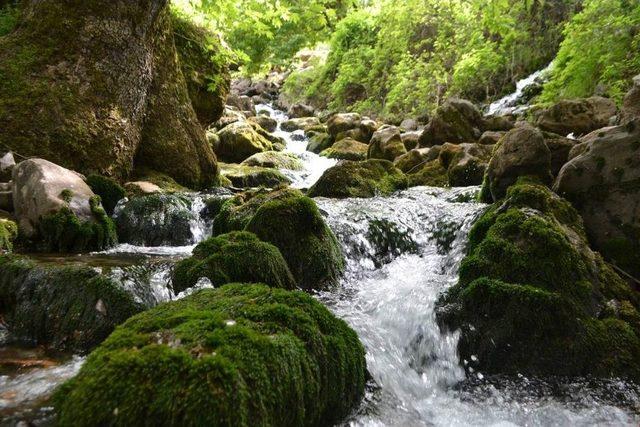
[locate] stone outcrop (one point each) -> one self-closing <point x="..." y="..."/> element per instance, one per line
<point x="577" y="116"/>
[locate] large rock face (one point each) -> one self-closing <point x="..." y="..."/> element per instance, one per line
<point x="236" y="355"/>
<point x="521" y="152"/>
<point x="455" y="121"/>
<point x="204" y="70"/>
<point x="57" y="209"/>
<point x="97" y="87"/>
<point x="578" y="116"/>
<point x="603" y="181"/>
<point x="534" y="299"/>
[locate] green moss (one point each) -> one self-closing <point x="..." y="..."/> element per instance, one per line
<point x="295" y="226"/>
<point x="231" y="258"/>
<point x="242" y="176"/>
<point x="64" y="232"/>
<point x="538" y="297"/>
<point x="108" y="189"/>
<point x="8" y="234"/>
<point x="430" y="174"/>
<point x="236" y="355"/>
<point x="66" y="195"/>
<point x="9" y="16"/>
<point x="70" y="308"/>
<point x="359" y="179"/>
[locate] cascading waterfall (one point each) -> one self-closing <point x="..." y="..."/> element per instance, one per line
<point x="510" y="103"/>
<point x="402" y="252"/>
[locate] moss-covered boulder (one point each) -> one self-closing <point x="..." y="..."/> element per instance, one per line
<point x="602" y="180"/>
<point x="203" y="64"/>
<point x="455" y="121"/>
<point x="347" y="149"/>
<point x="534" y="299"/>
<point x="292" y="223"/>
<point x="274" y="159"/>
<point x="66" y="308"/>
<point x="156" y="220"/>
<point x="319" y="142"/>
<point x="239" y="141"/>
<point x="465" y="163"/>
<point x="417" y="157"/>
<point x="359" y="179"/>
<point x="430" y="173"/>
<point x="8" y="234"/>
<point x="578" y="116"/>
<point x="235" y="257"/>
<point x="242" y="176"/>
<point x="109" y="190"/>
<point x="97" y="87"/>
<point x="386" y="143"/>
<point x="302" y="123"/>
<point x="238" y="355"/>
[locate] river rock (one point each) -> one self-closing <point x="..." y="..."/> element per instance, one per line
<point x="498" y="123"/>
<point x="252" y="343"/>
<point x="141" y="188"/>
<point x="521" y="152"/>
<point x="57" y="210"/>
<point x="300" y="110"/>
<point x="560" y="147"/>
<point x="347" y="149"/>
<point x="242" y="103"/>
<point x="465" y="163"/>
<point x="409" y="125"/>
<point x="413" y="159"/>
<point x="602" y="182"/>
<point x="156" y="220"/>
<point x="243" y="176"/>
<point x="319" y="142"/>
<point x="631" y="105"/>
<point x="66" y="308"/>
<point x="265" y="122"/>
<point x="491" y="137"/>
<point x="236" y="257"/>
<point x="359" y="179"/>
<point x="534" y="299"/>
<point x="410" y="139"/>
<point x="239" y="141"/>
<point x="274" y="159"/>
<point x="302" y="123"/>
<point x="339" y="123"/>
<point x="7" y="163"/>
<point x="386" y="143"/>
<point x="577" y="116"/>
<point x="230" y="115"/>
<point x="455" y="121"/>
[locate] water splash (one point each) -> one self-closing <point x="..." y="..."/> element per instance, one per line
<point x="509" y="104"/>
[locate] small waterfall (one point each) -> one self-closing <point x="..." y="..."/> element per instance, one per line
<point x="511" y="104"/>
<point x="296" y="144"/>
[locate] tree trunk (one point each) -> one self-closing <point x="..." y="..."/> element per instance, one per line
<point x="96" y="86"/>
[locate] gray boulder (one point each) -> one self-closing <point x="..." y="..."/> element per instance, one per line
<point x="386" y="143"/>
<point x="577" y="116"/>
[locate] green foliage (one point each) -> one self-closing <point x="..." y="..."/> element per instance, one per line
<point x="108" y="189"/>
<point x="8" y="234"/>
<point x="8" y="19"/>
<point x="238" y="355"/>
<point x="410" y="55"/>
<point x="601" y="50"/>
<point x="235" y="257"/>
<point x="70" y="308"/>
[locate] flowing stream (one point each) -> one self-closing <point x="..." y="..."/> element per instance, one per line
<point x="511" y="104"/>
<point x="402" y="252"/>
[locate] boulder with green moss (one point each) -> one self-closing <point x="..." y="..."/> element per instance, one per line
<point x="274" y="159"/>
<point x="577" y="116"/>
<point x="156" y="220"/>
<point x="57" y="211"/>
<point x="97" y="87"/>
<point x="243" y="176"/>
<point x="109" y="190"/>
<point x="359" y="179"/>
<point x="347" y="149"/>
<point x="465" y="163"/>
<point x="203" y="64"/>
<point x="455" y="121"/>
<point x="319" y="142"/>
<point x="292" y="223"/>
<point x="238" y="256"/>
<point x="66" y="308"/>
<point x="8" y="234"/>
<point x="236" y="355"/>
<point x="239" y="141"/>
<point x="602" y="180"/>
<point x="386" y="143"/>
<point x="534" y="299"/>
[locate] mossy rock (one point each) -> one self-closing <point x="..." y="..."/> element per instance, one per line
<point x="238" y="355"/>
<point x="431" y="174"/>
<point x="534" y="299"/>
<point x="66" y="308"/>
<point x="108" y="189"/>
<point x="8" y="234"/>
<point x="275" y="159"/>
<point x="230" y="258"/>
<point x="64" y="232"/>
<point x="359" y="179"/>
<point x="156" y="220"/>
<point x="242" y="176"/>
<point x="204" y="66"/>
<point x="347" y="149"/>
<point x="319" y="142"/>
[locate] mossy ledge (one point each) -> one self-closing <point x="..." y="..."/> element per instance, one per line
<point x="235" y="257"/>
<point x="534" y="299"/>
<point x="238" y="355"/>
<point x="66" y="308"/>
